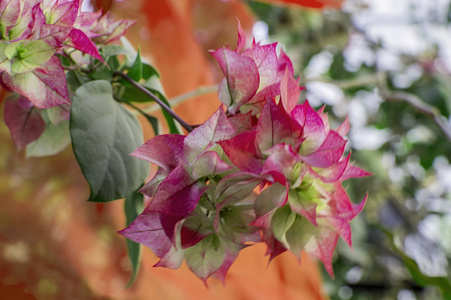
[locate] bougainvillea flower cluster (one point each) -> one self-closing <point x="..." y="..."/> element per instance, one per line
<point x="261" y="168"/>
<point x="33" y="34"/>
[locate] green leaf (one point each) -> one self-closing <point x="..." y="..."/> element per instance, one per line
<point x="105" y="72"/>
<point x="136" y="70"/>
<point x="113" y="63"/>
<point x="442" y="283"/>
<point x="133" y="206"/>
<point x="154" y="123"/>
<point x="149" y="71"/>
<point x="103" y="134"/>
<point x="75" y="80"/>
<point x="132" y="94"/>
<point x="64" y="60"/>
<point x="52" y="141"/>
<point x="130" y="51"/>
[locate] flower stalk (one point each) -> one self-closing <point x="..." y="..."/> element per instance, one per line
<point x="185" y="125"/>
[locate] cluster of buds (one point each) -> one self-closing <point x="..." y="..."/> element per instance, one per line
<point x="261" y="168"/>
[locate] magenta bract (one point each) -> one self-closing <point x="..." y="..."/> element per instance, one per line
<point x="45" y="86"/>
<point x="23" y="120"/>
<point x="107" y="29"/>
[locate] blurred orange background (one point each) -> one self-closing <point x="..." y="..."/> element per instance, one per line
<point x="55" y="245"/>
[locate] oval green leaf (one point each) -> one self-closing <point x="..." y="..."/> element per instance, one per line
<point x="103" y="134"/>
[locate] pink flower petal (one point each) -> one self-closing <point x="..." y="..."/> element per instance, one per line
<point x="343" y="128"/>
<point x="324" y="117"/>
<point x="354" y="172"/>
<point x="38" y="18"/>
<point x="170" y="224"/>
<point x="79" y="40"/>
<point x="340" y="206"/>
<point x="242" y="151"/>
<point x="163" y="150"/>
<point x="332" y="173"/>
<point x="202" y="138"/>
<point x="24" y="122"/>
<point x="322" y="246"/>
<point x="314" y="130"/>
<point x="10" y="12"/>
<point x="193" y="231"/>
<point x="65" y="14"/>
<point x="241" y="122"/>
<point x="52" y="34"/>
<point x="329" y="153"/>
<point x="289" y="91"/>
<point x="44" y="87"/>
<point x="275" y="126"/>
<point x="86" y="20"/>
<point x="150" y="188"/>
<point x="265" y="58"/>
<point x="343" y="229"/>
<point x="280" y="163"/>
<point x="172" y="259"/>
<point x="241" y="38"/>
<point x="284" y="65"/>
<point x="147" y="230"/>
<point x="304" y="207"/>
<point x="241" y="75"/>
<point x="257" y="102"/>
<point x="275" y="247"/>
<point x="231" y="254"/>
<point x="178" y="194"/>
<point x="109" y="29"/>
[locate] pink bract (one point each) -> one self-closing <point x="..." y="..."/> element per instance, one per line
<point x="253" y="75"/>
<point x="24" y="121"/>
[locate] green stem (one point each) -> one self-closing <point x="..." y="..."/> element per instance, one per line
<point x="422" y="107"/>
<point x="185" y="125"/>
